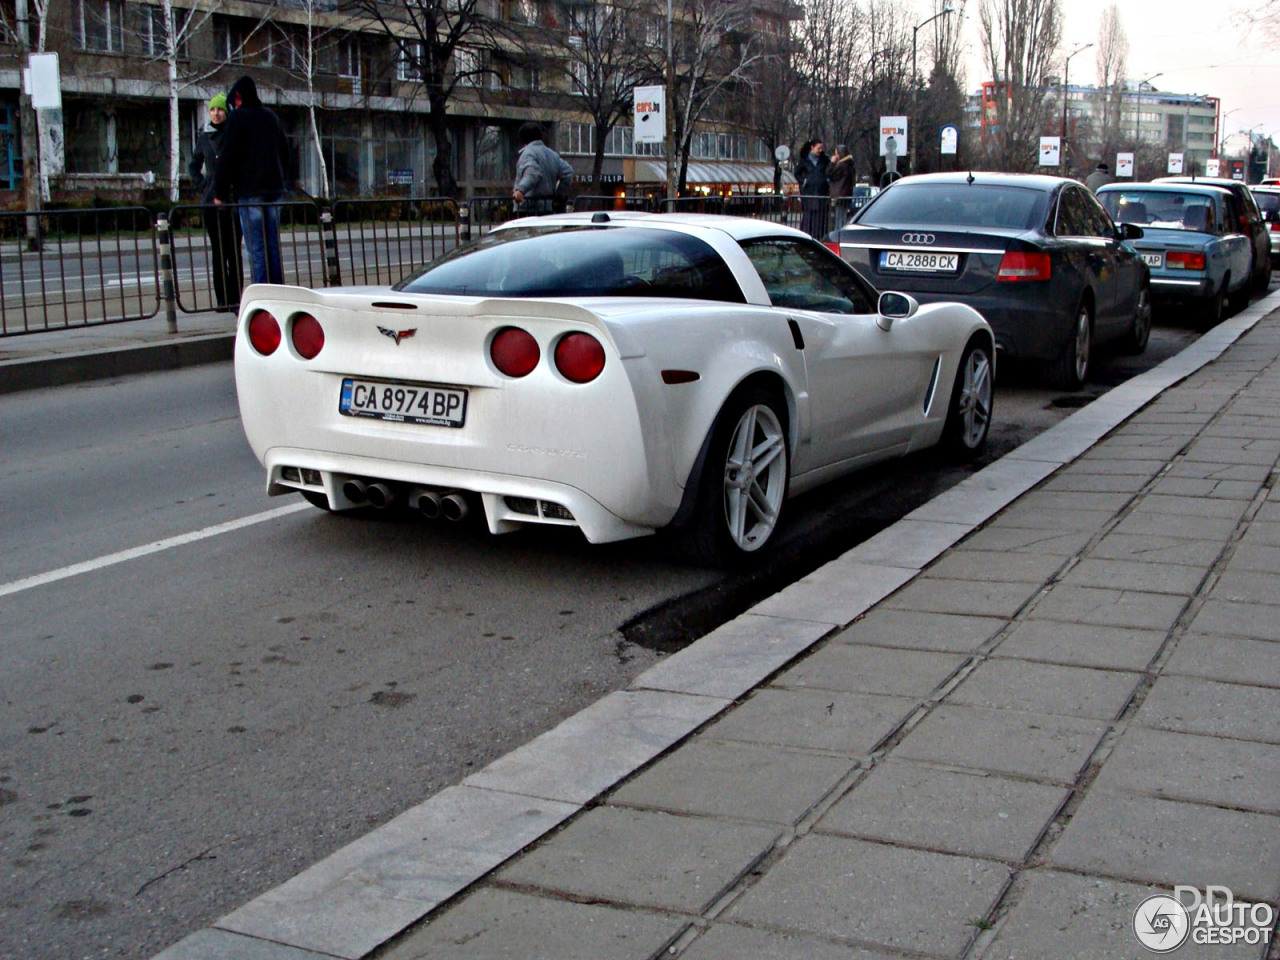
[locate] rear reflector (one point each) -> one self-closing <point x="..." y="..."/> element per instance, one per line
<point x="264" y="332"/>
<point x="1019" y="265"/>
<point x="1183" y="260"/>
<point x="308" y="336"/>
<point x="514" y="352"/>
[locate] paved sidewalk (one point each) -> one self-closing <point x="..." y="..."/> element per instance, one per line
<point x="988" y="732"/>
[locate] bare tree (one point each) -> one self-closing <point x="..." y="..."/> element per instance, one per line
<point x="445" y="43"/>
<point x="1112" y="63"/>
<point x="1020" y="41"/>
<point x="827" y="41"/>
<point x="1264" y="14"/>
<point x="885" y="89"/>
<point x="607" y="54"/>
<point x="771" y="113"/>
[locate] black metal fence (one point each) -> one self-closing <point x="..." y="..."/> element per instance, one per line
<point x="74" y="268"/>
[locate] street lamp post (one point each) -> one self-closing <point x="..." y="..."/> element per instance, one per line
<point x="916" y="86"/>
<point x="1066" y="87"/>
<point x="671" y="124"/>
<point x="1137" y="121"/>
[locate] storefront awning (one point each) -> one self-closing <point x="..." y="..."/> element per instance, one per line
<point x="655" y="171"/>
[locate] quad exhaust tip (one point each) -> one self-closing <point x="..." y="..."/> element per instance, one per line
<point x="426" y="502"/>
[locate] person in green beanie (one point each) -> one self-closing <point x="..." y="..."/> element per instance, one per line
<point x="221" y="225"/>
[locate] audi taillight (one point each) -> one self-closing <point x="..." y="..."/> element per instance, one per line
<point x="264" y="332"/>
<point x="308" y="336"/>
<point x="1019" y="265"/>
<point x="514" y="352"/>
<point x="579" y="357"/>
<point x="1184" y="260"/>
<point x="833" y="247"/>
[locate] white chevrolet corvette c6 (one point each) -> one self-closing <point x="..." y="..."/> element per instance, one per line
<point x="621" y="373"/>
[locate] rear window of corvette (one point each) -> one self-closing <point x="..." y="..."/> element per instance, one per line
<point x="581" y="261"/>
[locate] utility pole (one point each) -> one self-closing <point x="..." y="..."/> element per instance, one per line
<point x="913" y="132"/>
<point x="1066" y="92"/>
<point x="671" y="124"/>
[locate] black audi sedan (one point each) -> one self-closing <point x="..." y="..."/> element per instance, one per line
<point x="1038" y="256"/>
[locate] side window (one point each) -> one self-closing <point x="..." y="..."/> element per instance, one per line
<point x="1072" y="220"/>
<point x="1098" y="220"/>
<point x="799" y="274"/>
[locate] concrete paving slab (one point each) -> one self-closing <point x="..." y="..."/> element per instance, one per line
<point x="1063" y="916"/>
<point x="1107" y="463"/>
<point x="922" y="631"/>
<point x="1047" y="688"/>
<point x="595" y="748"/>
<point x="836" y="593"/>
<point x="1081" y="644"/>
<point x="1112" y="608"/>
<point x="1255" y="473"/>
<point x="967" y="813"/>
<point x="1047" y="498"/>
<point x="1263" y="532"/>
<point x="1184" y="766"/>
<point x="875" y="894"/>
<point x="962" y="564"/>
<point x="1188" y="487"/>
<point x="1260" y="621"/>
<point x="861" y="669"/>
<point x="1167" y="842"/>
<point x="1181" y="580"/>
<point x="1232" y="450"/>
<point x="1036" y="745"/>
<point x="1076" y="482"/>
<point x="1058" y="519"/>
<point x="909" y="543"/>
<point x="1157" y="549"/>
<point x="734" y="658"/>
<point x="507" y="925"/>
<point x="980" y="598"/>
<point x="644" y="858"/>
<point x="1002" y="538"/>
<point x="748" y="781"/>
<point x="848" y="724"/>
<point x="1188" y="507"/>
<point x="209" y="944"/>
<point x="1229" y="659"/>
<point x="1213" y="709"/>
<point x="1248" y="586"/>
<point x="726" y="940"/>
<point x="1150" y="523"/>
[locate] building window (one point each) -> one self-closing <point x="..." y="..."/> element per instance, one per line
<point x="228" y="40"/>
<point x="522" y="11"/>
<point x="408" y="57"/>
<point x="466" y="66"/>
<point x="99" y="26"/>
<point x="579" y="80"/>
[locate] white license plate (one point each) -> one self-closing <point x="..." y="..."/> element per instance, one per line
<point x="1153" y="260"/>
<point x="403" y="402"/>
<point x="923" y="262"/>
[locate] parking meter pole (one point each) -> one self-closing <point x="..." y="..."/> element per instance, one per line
<point x="329" y="235"/>
<point x="167" y="298"/>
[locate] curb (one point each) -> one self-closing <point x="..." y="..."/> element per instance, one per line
<point x="64" y="369"/>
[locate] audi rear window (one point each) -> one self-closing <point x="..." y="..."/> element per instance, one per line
<point x="957" y="205"/>
<point x="581" y="261"/>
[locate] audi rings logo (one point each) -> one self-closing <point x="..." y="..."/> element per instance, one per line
<point x="917" y="238"/>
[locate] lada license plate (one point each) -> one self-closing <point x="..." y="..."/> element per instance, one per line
<point x="1153" y="260"/>
<point x="922" y="262"/>
<point x="403" y="402"/>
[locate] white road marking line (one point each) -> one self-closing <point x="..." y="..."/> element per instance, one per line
<point x="111" y="559"/>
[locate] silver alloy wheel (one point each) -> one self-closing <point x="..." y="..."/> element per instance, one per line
<point x="755" y="477"/>
<point x="1082" y="343"/>
<point x="974" y="403"/>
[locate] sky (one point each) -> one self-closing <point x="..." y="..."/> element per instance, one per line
<point x="1198" y="46"/>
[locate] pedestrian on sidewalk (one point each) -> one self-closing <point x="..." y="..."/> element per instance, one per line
<point x="221" y="225"/>
<point x="542" y="175"/>
<point x="840" y="174"/>
<point x="811" y="173"/>
<point x="252" y="173"/>
<point x="1101" y="176"/>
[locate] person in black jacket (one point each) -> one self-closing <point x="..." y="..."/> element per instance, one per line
<point x="251" y="173"/>
<point x="811" y="172"/>
<point x="222" y="226"/>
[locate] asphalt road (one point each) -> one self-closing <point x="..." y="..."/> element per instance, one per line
<point x="190" y="724"/>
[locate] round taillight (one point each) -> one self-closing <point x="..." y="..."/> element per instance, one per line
<point x="514" y="352"/>
<point x="579" y="357"/>
<point x="264" y="332"/>
<point x="308" y="336"/>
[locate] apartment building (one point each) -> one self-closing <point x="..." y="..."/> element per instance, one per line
<point x="371" y="114"/>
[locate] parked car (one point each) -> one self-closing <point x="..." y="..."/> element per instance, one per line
<point x="1268" y="199"/>
<point x="1251" y="224"/>
<point x="621" y="373"/>
<point x="1191" y="243"/>
<point x="1037" y="256"/>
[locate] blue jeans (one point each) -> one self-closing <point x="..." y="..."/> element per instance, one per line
<point x="261" y="226"/>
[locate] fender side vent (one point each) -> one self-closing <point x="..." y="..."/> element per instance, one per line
<point x="796" y="337"/>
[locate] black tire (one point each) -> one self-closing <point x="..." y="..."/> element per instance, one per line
<point x="1134" y="342"/>
<point x="736" y="515"/>
<point x="972" y="397"/>
<point x="1214" y="309"/>
<point x="1263" y="280"/>
<point x="1071" y="369"/>
<point x="316" y="499"/>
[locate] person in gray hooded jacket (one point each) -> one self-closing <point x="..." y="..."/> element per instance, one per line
<point x="541" y="173"/>
<point x="222" y="225"/>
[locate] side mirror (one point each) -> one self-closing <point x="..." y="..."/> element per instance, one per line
<point x="895" y="306"/>
<point x="1131" y="231"/>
